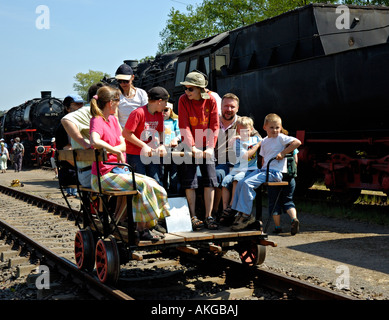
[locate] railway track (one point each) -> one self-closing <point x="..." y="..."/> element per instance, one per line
<point x="42" y="232"/>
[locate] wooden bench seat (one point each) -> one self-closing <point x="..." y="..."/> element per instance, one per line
<point x="275" y="184"/>
<point x="111" y="193"/>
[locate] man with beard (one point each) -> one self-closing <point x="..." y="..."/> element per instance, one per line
<point x="225" y="156"/>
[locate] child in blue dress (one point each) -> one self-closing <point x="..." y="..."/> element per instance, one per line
<point x="245" y="148"/>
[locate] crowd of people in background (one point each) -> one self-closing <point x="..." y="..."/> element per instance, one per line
<point x="14" y="154"/>
<point x="141" y="128"/>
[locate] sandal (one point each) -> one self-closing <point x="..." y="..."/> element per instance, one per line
<point x="211" y="224"/>
<point x="227" y="216"/>
<point x="146" y="235"/>
<point x="157" y="233"/>
<point x="159" y="228"/>
<point x="196" y="223"/>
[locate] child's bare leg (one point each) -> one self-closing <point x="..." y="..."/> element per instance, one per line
<point x="226" y="197"/>
<point x="234" y="183"/>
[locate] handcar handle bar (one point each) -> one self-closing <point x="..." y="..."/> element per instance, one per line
<point x="268" y="165"/>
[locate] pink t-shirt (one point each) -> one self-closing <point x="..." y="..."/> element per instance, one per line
<point x="109" y="132"/>
<point x="145" y="126"/>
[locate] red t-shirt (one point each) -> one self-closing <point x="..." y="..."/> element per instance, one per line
<point x="145" y="126"/>
<point x="194" y="118"/>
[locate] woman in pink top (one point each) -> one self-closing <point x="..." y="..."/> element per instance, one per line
<point x="105" y="132"/>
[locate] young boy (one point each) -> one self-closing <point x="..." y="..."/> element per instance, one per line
<point x="275" y="145"/>
<point x="245" y="147"/>
<point x="142" y="132"/>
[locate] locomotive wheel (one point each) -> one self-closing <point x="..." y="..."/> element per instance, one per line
<point x="252" y="254"/>
<point x="84" y="249"/>
<point x="107" y="260"/>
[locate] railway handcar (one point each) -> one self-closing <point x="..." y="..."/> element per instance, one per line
<point x="103" y="242"/>
<point x="326" y="79"/>
<point x="35" y="123"/>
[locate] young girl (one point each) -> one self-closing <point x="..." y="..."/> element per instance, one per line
<point x="245" y="148"/>
<point x="105" y="132"/>
<point x="172" y="137"/>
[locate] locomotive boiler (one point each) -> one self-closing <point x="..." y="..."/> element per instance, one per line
<point x="326" y="80"/>
<point x="35" y="123"/>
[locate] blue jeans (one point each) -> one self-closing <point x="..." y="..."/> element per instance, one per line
<point x="71" y="191"/>
<point x="222" y="171"/>
<point x="170" y="178"/>
<point x="151" y="170"/>
<point x="245" y="189"/>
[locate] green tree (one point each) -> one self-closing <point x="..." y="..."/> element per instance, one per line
<point x="85" y="80"/>
<point x="146" y="58"/>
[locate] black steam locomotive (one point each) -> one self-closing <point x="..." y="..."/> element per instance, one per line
<point x="322" y="68"/>
<point x="35" y="123"/>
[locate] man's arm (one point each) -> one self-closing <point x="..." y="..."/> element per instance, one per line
<point x="74" y="133"/>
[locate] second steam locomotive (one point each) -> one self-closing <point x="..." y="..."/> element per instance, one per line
<point x="328" y="84"/>
<point x="35" y="123"/>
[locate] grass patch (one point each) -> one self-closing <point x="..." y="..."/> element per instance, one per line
<point x="368" y="208"/>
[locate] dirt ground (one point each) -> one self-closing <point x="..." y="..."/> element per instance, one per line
<point x="337" y="253"/>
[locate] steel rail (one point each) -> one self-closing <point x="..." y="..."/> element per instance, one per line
<point x="302" y="290"/>
<point x="63" y="264"/>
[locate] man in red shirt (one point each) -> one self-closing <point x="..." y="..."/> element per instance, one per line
<point x="199" y="124"/>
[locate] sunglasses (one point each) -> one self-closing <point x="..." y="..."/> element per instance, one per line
<point x="189" y="89"/>
<point x="123" y="81"/>
<point x="165" y="110"/>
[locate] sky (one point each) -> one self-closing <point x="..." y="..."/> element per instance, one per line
<point x="45" y="43"/>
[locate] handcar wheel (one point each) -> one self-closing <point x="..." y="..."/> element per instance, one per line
<point x="107" y="261"/>
<point x="254" y="255"/>
<point x="84" y="250"/>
